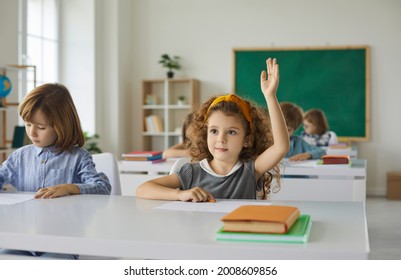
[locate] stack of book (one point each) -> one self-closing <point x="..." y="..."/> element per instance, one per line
<point x="335" y="159"/>
<point x="270" y="223"/>
<point x="153" y="156"/>
<point x="154" y="123"/>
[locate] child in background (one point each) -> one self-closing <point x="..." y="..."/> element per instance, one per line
<point x="180" y="150"/>
<point x="232" y="147"/>
<point x="299" y="148"/>
<point x="316" y="129"/>
<point x="55" y="164"/>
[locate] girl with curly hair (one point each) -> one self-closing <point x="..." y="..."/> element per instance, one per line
<point x="233" y="145"/>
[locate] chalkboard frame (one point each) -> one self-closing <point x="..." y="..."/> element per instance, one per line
<point x="249" y="62"/>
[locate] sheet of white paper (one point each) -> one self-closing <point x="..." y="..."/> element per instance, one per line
<point x="13" y="198"/>
<point x="224" y="206"/>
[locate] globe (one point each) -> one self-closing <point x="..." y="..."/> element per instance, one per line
<point x="5" y="86"/>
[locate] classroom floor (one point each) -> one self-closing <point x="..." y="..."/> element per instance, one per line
<point x="384" y="228"/>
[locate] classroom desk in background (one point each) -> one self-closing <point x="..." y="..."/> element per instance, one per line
<point x="134" y="173"/>
<point x="130" y="227"/>
<point x="316" y="183"/>
<point x="306" y="180"/>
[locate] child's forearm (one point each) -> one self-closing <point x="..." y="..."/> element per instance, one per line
<point x="152" y="190"/>
<point x="279" y="128"/>
<point x="269" y="81"/>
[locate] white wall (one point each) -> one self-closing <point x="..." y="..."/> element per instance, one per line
<point x="204" y="33"/>
<point x="8" y="32"/>
<point x="77" y="57"/>
<point x="9" y="55"/>
<point x="113" y="73"/>
<point x="95" y="44"/>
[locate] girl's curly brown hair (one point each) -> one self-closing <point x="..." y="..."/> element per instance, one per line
<point x="259" y="138"/>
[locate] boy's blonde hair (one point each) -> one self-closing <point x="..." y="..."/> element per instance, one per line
<point x="318" y="119"/>
<point x="293" y="114"/>
<point x="259" y="138"/>
<point x="56" y="103"/>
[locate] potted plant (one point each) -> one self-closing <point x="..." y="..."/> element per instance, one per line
<point x="181" y="100"/>
<point x="91" y="144"/>
<point x="170" y="62"/>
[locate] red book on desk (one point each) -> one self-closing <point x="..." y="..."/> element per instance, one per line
<point x="335" y="159"/>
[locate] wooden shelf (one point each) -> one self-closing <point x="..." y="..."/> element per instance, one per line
<point x="160" y="98"/>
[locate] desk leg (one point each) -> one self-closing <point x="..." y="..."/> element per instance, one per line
<point x="359" y="187"/>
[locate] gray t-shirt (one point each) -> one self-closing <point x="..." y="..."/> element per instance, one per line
<point x="240" y="184"/>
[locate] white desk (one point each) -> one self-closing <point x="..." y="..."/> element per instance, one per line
<point x="134" y="173"/>
<point x="129" y="227"/>
<point x="333" y="183"/>
<point x="323" y="183"/>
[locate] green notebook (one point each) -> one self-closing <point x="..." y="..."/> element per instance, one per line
<point x="298" y="233"/>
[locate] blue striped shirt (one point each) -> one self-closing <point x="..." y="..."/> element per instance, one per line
<point x="30" y="168"/>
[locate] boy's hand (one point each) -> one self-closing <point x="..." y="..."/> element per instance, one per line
<point x="57" y="191"/>
<point x="269" y="86"/>
<point x="196" y="194"/>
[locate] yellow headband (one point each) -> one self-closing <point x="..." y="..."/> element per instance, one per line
<point x="244" y="106"/>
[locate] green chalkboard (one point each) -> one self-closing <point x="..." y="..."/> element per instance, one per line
<point x="335" y="80"/>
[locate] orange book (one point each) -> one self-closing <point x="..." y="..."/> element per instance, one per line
<point x="261" y="219"/>
<point x="336" y="159"/>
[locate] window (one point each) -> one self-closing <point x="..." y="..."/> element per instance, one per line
<point x="58" y="38"/>
<point x="39" y="43"/>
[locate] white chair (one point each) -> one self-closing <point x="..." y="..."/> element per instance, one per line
<point x="107" y="163"/>
<point x="178" y="163"/>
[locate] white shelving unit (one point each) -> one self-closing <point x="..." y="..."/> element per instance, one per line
<point x="16" y="73"/>
<point x="160" y="98"/>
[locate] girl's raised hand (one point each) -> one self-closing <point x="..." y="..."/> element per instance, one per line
<point x="269" y="86"/>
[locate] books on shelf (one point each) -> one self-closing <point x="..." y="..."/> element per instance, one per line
<point x="153" y="156"/>
<point x="335" y="159"/>
<point x="153" y="159"/>
<point x="342" y="149"/>
<point x="260" y="219"/>
<point x="340" y="145"/>
<point x="298" y="233"/>
<point x="139" y="154"/>
<point x="154" y="123"/>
